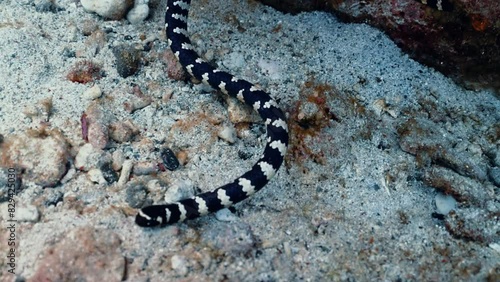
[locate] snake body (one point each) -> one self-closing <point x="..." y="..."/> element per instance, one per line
<point x="277" y="131"/>
<point x="176" y="17"/>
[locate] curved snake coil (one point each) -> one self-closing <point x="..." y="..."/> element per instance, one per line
<point x="277" y="131"/>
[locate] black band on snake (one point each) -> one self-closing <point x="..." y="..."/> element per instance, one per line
<point x="277" y="131"/>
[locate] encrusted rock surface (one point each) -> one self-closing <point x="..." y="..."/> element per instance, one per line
<point x="97" y="257"/>
<point x="463" y="43"/>
<point x="41" y="156"/>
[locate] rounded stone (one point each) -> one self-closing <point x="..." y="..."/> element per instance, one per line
<point x="111" y="9"/>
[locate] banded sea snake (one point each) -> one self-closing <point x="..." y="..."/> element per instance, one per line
<point x="176" y="17"/>
<point x="277" y="130"/>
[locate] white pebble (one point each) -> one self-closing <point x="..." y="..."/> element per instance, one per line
<point x="88" y="157"/>
<point x="228" y="134"/>
<point x="125" y="174"/>
<point x="92" y="93"/>
<point x="95" y="175"/>
<point x="138" y="14"/>
<point x="445" y="203"/>
<point x="118" y="159"/>
<point x="112" y="9"/>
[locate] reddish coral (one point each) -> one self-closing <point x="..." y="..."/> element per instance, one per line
<point x="84" y="72"/>
<point x="479" y="22"/>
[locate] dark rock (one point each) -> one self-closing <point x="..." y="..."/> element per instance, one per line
<point x="108" y="173"/>
<point x="169" y="159"/>
<point x="135" y="194"/>
<point x="127" y="60"/>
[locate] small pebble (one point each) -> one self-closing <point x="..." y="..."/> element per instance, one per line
<point x="169" y="159"/>
<point x="228" y="134"/>
<point x="234" y="239"/>
<point x="135" y="193"/>
<point x="111" y="9"/>
<point x="127" y="60"/>
<point x="88" y="26"/>
<point x="123" y="131"/>
<point x="95" y="175"/>
<point x="167" y="95"/>
<point x="495" y="246"/>
<point x="118" y="158"/>
<point x="97" y="120"/>
<point x="89" y="157"/>
<point x="108" y="173"/>
<point x="307" y="111"/>
<point x="126" y="170"/>
<point x="92" y="93"/>
<point x="240" y="113"/>
<point x="139" y="101"/>
<point x="138" y="14"/>
<point x="175" y="70"/>
<point x="69" y="175"/>
<point x="84" y="72"/>
<point x="445" y="203"/>
<point x="182" y="156"/>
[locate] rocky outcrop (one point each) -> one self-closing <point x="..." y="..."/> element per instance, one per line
<point x="463" y="43"/>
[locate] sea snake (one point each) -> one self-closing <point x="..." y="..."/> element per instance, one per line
<point x="176" y="17"/>
<point x="277" y="130"/>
